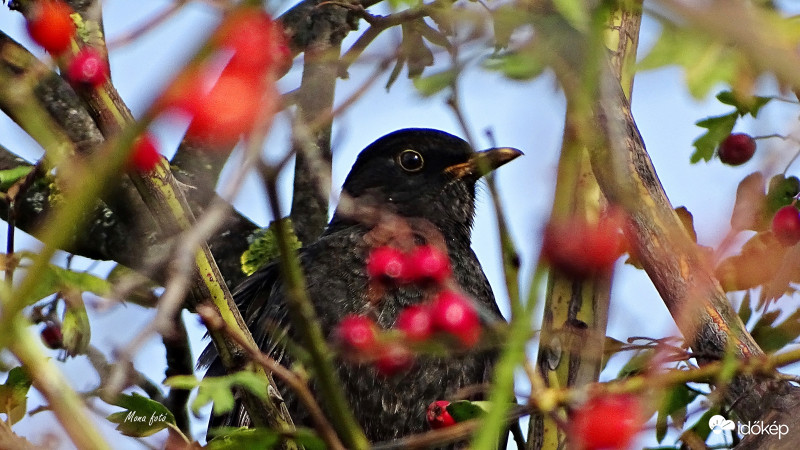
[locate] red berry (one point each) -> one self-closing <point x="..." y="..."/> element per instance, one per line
<point x="437" y="415"/>
<point x="452" y="313"/>
<point x="88" y="67"/>
<point x="144" y="155"/>
<point x="51" y="336"/>
<point x="386" y="264"/>
<point x="581" y="249"/>
<point x="393" y="358"/>
<point x="227" y="111"/>
<point x="427" y="263"/>
<point x="51" y="26"/>
<point x="786" y="225"/>
<point x="607" y="422"/>
<point x="737" y="149"/>
<point x="358" y="333"/>
<point x="415" y="322"/>
<point x="255" y="40"/>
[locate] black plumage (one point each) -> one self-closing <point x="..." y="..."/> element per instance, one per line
<point x="425" y="180"/>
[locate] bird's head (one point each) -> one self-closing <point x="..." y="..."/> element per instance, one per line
<point x="422" y="173"/>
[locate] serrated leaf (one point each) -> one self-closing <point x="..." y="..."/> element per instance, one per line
<point x="706" y="61"/>
<point x="142" y="416"/>
<point x="774" y="338"/>
<point x="719" y="128"/>
<point x="759" y="259"/>
<point x="230" y="438"/>
<point x="747" y="105"/>
<point x="75" y="327"/>
<point x="10" y="176"/>
<point x="418" y="55"/>
<point x="749" y="206"/>
<point x="781" y="192"/>
<point x="219" y="390"/>
<point x="241" y="438"/>
<point x="464" y="410"/>
<point x="674" y="406"/>
<point x="434" y="83"/>
<point x="264" y="247"/>
<point x="14" y="395"/>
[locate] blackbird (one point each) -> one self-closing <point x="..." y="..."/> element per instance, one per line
<point x="416" y="184"/>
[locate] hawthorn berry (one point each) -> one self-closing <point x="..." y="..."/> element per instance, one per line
<point x="358" y="333"/>
<point x="144" y="155"/>
<point x="415" y="322"/>
<point x="606" y="422"/>
<point x="736" y="149"/>
<point x="256" y="42"/>
<point x="50" y="25"/>
<point x="454" y="314"/>
<point x="88" y="67"/>
<point x="386" y="264"/>
<point x="393" y="358"/>
<point x="437" y="415"/>
<point x="227" y="111"/>
<point x="786" y="225"/>
<point x="427" y="263"/>
<point x="51" y="336"/>
<point x="579" y="248"/>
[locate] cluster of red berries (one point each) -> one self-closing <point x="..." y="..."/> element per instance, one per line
<point x="224" y="107"/>
<point x="581" y="249"/>
<point x="606" y="422"/>
<point x="448" y="312"/>
<point x="50" y="25"/>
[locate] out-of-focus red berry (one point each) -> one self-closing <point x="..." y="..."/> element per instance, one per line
<point x="452" y="313"/>
<point x="256" y="42"/>
<point x="427" y="263"/>
<point x="786" y="225"/>
<point x="51" y="336"/>
<point x="386" y="264"/>
<point x="51" y="26"/>
<point x="88" y="67"/>
<point x="437" y="415"/>
<point x="227" y="111"/>
<point x="606" y="422"/>
<point x="581" y="249"/>
<point x="393" y="358"/>
<point x="736" y="149"/>
<point x="144" y="154"/>
<point x="415" y="322"/>
<point x="358" y="333"/>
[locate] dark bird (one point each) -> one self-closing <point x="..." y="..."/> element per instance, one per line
<point x="425" y="180"/>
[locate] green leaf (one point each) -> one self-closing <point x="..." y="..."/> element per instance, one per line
<point x="781" y="192"/>
<point x="574" y="12"/>
<point x="75" y="326"/>
<point x="719" y="128"/>
<point x="747" y="105"/>
<point x="434" y="83"/>
<point x="673" y="405"/>
<point x="142" y="293"/>
<point x="706" y="61"/>
<point x="701" y="428"/>
<point x="264" y="247"/>
<point x="773" y="338"/>
<point x="746" y="308"/>
<point x="219" y="390"/>
<point x="464" y="410"/>
<point x="241" y="438"/>
<point x="519" y="65"/>
<point x="14" y="395"/>
<point x="141" y="417"/>
<point x="10" y="176"/>
<point x="58" y="279"/>
<point x="637" y="364"/>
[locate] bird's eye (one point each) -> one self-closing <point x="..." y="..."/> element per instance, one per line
<point x="410" y="160"/>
